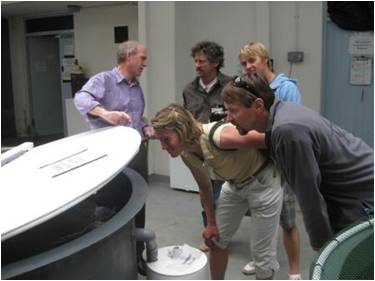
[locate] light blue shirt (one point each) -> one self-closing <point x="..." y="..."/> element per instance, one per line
<point x="285" y="88"/>
<point x="113" y="92"/>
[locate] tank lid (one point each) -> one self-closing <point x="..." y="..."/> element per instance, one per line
<point x="178" y="261"/>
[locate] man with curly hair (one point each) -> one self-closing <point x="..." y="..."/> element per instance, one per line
<point x="202" y="95"/>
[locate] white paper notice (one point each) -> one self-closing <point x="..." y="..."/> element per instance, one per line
<point x="360" y="71"/>
<point x="68" y="50"/>
<point x="361" y="44"/>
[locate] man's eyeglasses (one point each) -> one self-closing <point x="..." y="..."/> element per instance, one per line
<point x="239" y="83"/>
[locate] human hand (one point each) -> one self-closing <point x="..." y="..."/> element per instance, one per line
<point x="209" y="233"/>
<point x="149" y="132"/>
<point x="116" y="118"/>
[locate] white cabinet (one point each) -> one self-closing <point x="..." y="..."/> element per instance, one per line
<point x="180" y="175"/>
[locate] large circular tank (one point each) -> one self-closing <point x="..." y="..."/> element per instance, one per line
<point x="93" y="240"/>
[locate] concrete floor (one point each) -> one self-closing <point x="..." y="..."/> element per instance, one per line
<point x="175" y="216"/>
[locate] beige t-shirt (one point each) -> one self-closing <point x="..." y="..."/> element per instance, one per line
<point x="230" y="165"/>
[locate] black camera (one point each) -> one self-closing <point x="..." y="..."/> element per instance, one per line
<point x="217" y="113"/>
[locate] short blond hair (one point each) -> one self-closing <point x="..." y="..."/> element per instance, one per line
<point x="254" y="49"/>
<point x="176" y="118"/>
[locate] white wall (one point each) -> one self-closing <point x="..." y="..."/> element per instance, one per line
<point x="160" y="42"/>
<point x="298" y="26"/>
<point x="94" y="35"/>
<point x="184" y="66"/>
<point x="231" y="24"/>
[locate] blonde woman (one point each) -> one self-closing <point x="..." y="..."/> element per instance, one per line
<point x="251" y="182"/>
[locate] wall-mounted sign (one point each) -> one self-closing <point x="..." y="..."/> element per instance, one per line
<point x="361" y="44"/>
<point x="68" y="50"/>
<point x="360" y="70"/>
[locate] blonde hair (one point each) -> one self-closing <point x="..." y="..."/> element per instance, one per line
<point x="176" y="118"/>
<point x="255" y="49"/>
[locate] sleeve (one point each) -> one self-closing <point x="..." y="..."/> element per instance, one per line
<point x="142" y="119"/>
<point x="288" y="91"/>
<point x="217" y="133"/>
<point x="298" y="162"/>
<point x="90" y="95"/>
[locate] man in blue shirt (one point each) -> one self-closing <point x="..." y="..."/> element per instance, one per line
<point x="115" y="97"/>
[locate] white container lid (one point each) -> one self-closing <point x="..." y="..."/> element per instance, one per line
<point x="189" y="261"/>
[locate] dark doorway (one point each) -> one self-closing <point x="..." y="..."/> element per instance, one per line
<point x="45" y="85"/>
<point x="7" y="106"/>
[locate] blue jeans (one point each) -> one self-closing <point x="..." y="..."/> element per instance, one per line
<point x="216" y="189"/>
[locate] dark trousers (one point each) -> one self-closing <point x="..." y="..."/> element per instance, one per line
<point x="106" y="198"/>
<point x="139" y="164"/>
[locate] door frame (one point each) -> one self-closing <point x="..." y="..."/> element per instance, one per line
<point x="58" y="34"/>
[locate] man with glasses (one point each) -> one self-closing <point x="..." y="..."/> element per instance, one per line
<point x="202" y="95"/>
<point x="329" y="169"/>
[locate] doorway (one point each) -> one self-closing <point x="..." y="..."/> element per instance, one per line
<point x="8" y="126"/>
<point x="45" y="86"/>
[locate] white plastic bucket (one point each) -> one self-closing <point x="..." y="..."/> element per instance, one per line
<point x="191" y="264"/>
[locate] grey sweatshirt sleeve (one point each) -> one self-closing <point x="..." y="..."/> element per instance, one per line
<point x="296" y="158"/>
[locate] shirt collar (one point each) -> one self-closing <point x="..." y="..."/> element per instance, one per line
<point x="209" y="86"/>
<point x="120" y="77"/>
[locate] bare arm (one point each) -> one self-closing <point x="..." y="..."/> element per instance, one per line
<point x="230" y="139"/>
<point x="112" y="117"/>
<point x="205" y="191"/>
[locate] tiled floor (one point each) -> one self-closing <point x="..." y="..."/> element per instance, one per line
<point x="175" y="216"/>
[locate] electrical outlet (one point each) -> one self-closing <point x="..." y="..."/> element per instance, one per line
<point x="295" y="56"/>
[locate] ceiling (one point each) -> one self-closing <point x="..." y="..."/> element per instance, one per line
<point x="40" y="8"/>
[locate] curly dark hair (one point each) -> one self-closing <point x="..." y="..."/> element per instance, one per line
<point x="213" y="51"/>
